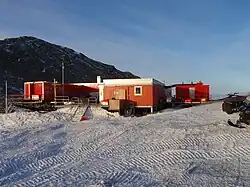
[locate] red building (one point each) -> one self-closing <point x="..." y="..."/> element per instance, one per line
<point x="146" y="93"/>
<point x="46" y="91"/>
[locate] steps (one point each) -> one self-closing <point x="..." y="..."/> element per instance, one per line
<point x="80" y="110"/>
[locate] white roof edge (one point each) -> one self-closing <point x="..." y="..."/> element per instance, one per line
<point x="127" y="79"/>
<point x="83" y="83"/>
<point x="40" y="81"/>
<point x="136" y="81"/>
<point x="28" y="82"/>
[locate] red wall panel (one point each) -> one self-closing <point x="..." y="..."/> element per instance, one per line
<point x="201" y="91"/>
<point x="146" y="99"/>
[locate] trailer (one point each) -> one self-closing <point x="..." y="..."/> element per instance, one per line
<point x="132" y="95"/>
<point x="189" y="94"/>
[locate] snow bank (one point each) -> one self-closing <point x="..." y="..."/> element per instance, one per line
<point x="68" y="113"/>
<point x="92" y="113"/>
<point x="188" y="147"/>
<point x="98" y="113"/>
<point x="18" y="119"/>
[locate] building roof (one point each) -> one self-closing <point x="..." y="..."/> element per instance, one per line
<point x="136" y="81"/>
<point x="184" y="84"/>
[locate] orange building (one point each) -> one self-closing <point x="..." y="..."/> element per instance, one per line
<point x="146" y="93"/>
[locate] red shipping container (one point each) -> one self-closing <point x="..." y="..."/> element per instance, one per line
<point x="28" y="90"/>
<point x="197" y="92"/>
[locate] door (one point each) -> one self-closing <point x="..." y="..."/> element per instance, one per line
<point x="192" y="93"/>
<point x="120" y="93"/>
<point x="39" y="89"/>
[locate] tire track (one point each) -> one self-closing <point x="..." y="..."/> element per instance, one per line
<point x="224" y="167"/>
<point x="148" y="162"/>
<point x="175" y="157"/>
<point x="45" y="164"/>
<point x="102" y="175"/>
<point x="140" y="149"/>
<point x="50" y="162"/>
<point x="23" y="162"/>
<point x="74" y="156"/>
<point x="20" y="145"/>
<point x="171" y="158"/>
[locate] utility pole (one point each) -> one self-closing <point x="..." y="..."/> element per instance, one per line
<point x="62" y="72"/>
<point x="6" y="97"/>
<point x="55" y="91"/>
<point x="63" y="79"/>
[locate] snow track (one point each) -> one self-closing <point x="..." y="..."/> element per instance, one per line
<point x="189" y="143"/>
<point x="189" y="147"/>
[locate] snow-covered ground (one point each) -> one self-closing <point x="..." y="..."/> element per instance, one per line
<point x="188" y="147"/>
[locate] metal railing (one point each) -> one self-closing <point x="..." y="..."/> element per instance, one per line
<point x="75" y="100"/>
<point x="92" y="100"/>
<point x="61" y="99"/>
<point x="15" y="97"/>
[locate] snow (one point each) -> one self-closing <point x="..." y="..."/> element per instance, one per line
<point x="187" y="147"/>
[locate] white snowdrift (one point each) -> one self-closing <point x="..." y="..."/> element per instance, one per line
<point x="70" y="113"/>
<point x="18" y="119"/>
<point x="189" y="147"/>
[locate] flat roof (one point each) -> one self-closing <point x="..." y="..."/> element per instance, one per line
<point x="136" y="81"/>
<point x="185" y="84"/>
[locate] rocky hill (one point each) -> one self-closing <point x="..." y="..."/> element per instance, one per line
<point x="28" y="58"/>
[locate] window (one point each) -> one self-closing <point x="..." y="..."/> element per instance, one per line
<point x="138" y="90"/>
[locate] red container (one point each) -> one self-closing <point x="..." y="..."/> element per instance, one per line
<point x="38" y="90"/>
<point x="28" y="90"/>
<point x="198" y="92"/>
<point x="202" y="92"/>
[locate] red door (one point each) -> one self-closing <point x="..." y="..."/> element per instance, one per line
<point x="39" y="89"/>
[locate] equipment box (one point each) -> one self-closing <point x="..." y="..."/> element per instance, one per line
<point x="116" y="104"/>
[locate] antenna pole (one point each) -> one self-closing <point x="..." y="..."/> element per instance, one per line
<point x="6" y="97"/>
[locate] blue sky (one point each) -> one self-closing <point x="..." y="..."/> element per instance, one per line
<point x="170" y="40"/>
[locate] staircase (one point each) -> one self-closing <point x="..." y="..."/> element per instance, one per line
<point x="80" y="110"/>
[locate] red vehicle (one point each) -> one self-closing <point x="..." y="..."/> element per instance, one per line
<point x="188" y="93"/>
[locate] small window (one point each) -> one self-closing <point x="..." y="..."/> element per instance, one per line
<point x="138" y="90"/>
